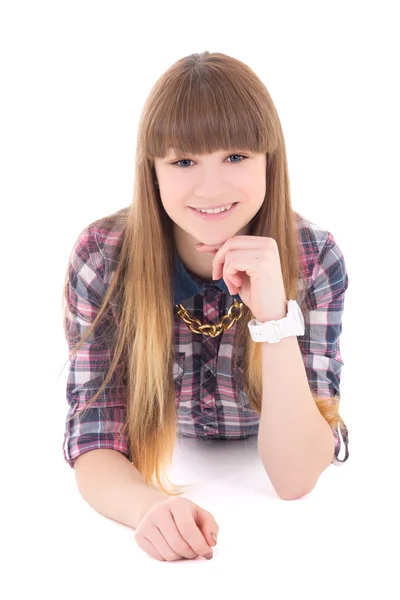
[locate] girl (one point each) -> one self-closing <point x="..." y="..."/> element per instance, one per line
<point x="163" y="327"/>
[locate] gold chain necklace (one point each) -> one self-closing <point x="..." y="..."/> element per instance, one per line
<point x="212" y="329"/>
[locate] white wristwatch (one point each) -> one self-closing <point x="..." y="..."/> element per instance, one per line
<point x="274" y="331"/>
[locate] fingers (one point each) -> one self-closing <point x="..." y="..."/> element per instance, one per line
<point x="209" y="524"/>
<point x="236" y="280"/>
<point x="167" y="541"/>
<point x="149" y="548"/>
<point x="176" y="544"/>
<point x="234" y="284"/>
<point x="176" y="529"/>
<point x="174" y="548"/>
<point x="157" y="546"/>
<point x="188" y="527"/>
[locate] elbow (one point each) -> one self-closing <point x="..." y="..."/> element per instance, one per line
<point x="292" y="493"/>
<point x="292" y="486"/>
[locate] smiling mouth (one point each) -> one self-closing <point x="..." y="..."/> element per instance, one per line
<point x="217" y="213"/>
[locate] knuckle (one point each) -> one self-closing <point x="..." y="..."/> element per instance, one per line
<point x="186" y="530"/>
<point x="202" y="549"/>
<point x="182" y="548"/>
<point x="171" y="556"/>
<point x="193" y="545"/>
<point x="179" y="545"/>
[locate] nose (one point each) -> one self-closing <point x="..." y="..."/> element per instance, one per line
<point x="211" y="184"/>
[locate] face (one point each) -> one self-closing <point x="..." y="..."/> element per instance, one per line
<point x="206" y="181"/>
<point x="217" y="179"/>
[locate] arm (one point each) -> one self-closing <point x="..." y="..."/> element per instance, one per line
<point x="295" y="442"/>
<point x="113" y="486"/>
<point x="94" y="445"/>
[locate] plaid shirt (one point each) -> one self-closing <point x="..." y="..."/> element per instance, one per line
<point x="209" y="398"/>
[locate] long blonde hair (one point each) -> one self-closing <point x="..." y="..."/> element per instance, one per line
<point x="202" y="104"/>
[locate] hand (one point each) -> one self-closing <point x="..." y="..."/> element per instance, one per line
<point x="176" y="528"/>
<point x="250" y="266"/>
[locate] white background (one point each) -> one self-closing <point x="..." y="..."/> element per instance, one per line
<point x="74" y="77"/>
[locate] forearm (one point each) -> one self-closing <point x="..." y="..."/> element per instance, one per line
<point x="295" y="442"/>
<point x="114" y="487"/>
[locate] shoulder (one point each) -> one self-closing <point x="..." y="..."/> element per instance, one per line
<point x="99" y="243"/>
<point x="315" y="242"/>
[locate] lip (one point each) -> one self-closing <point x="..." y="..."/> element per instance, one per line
<point x="211" y="216"/>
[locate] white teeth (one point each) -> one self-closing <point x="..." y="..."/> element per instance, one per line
<point x="215" y="210"/>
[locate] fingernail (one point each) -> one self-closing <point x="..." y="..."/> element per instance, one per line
<point x="214" y="537"/>
<point x="208" y="556"/>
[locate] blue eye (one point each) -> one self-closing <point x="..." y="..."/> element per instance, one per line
<point x="183" y="160"/>
<point x="189" y="160"/>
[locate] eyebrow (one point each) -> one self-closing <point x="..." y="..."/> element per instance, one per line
<point x="181" y="153"/>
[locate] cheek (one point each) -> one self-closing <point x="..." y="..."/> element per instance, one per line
<point x="169" y="206"/>
<point x="172" y="204"/>
<point x="174" y="195"/>
<point x="251" y="181"/>
<point x="254" y="191"/>
<point x="257" y="190"/>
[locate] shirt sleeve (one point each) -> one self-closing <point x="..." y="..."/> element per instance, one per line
<point x="102" y="425"/>
<point x="320" y="344"/>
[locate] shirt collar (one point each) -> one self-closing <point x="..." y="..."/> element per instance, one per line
<point x="187" y="284"/>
